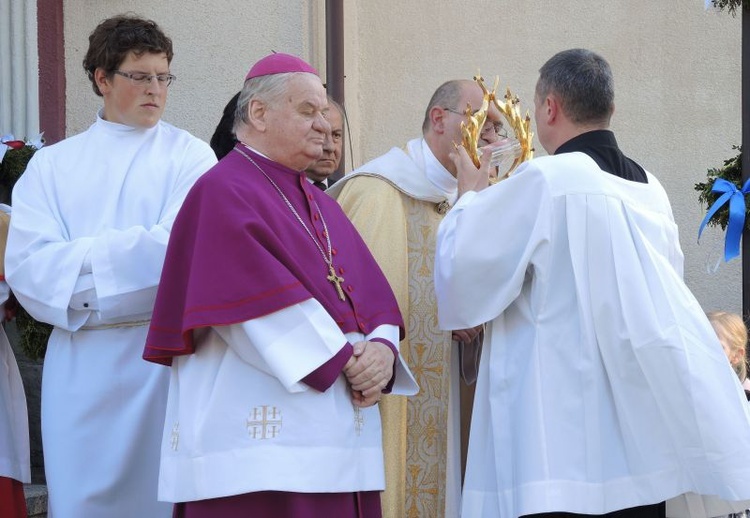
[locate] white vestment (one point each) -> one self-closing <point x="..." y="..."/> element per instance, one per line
<point x="14" y="420"/>
<point x="240" y="420"/>
<point x="414" y="171"/>
<point x="91" y="220"/>
<point x="602" y="385"/>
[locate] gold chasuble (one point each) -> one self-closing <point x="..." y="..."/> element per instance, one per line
<point x="400" y="232"/>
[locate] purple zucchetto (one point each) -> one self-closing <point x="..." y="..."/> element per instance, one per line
<point x="279" y="63"/>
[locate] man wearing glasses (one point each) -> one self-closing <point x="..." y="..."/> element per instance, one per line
<point x="397" y="201"/>
<point x="90" y="224"/>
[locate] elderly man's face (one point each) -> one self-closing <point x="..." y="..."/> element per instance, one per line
<point x="471" y="93"/>
<point x="296" y="124"/>
<point x="331" y="157"/>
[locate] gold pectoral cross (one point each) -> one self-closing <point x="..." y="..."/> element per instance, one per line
<point x="336" y="281"/>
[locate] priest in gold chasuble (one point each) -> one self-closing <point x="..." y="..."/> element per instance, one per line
<point x="397" y="201"/>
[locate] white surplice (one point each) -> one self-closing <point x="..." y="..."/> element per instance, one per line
<point x="14" y="420"/>
<point x="602" y="385"/>
<point x="88" y="235"/>
<point x="240" y="420"/>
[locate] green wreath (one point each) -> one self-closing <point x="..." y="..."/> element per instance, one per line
<point x="731" y="172"/>
<point x="33" y="334"/>
<point x="731" y="5"/>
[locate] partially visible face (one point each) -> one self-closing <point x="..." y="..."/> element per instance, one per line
<point x="734" y="357"/>
<point x="472" y="94"/>
<point x="329" y="161"/>
<point x="134" y="105"/>
<point x="494" y="127"/>
<point x="539" y="121"/>
<point x="296" y="124"/>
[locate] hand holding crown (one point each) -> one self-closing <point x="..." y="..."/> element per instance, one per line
<point x="509" y="152"/>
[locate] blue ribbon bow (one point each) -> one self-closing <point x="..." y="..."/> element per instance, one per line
<point x="736" y="224"/>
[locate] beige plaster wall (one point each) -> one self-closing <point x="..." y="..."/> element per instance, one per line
<point x="215" y="43"/>
<point x="677" y="73"/>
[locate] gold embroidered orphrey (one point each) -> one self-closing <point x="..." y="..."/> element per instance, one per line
<point x="471" y="128"/>
<point x="332" y="277"/>
<point x="427" y="415"/>
<point x="264" y="422"/>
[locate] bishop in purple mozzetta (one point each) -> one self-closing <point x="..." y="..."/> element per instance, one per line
<point x="281" y="331"/>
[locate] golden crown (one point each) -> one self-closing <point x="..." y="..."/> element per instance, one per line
<point x="471" y="128"/>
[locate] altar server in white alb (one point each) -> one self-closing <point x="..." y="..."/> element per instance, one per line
<point x="602" y="386"/>
<point x="91" y="219"/>
<point x="15" y="467"/>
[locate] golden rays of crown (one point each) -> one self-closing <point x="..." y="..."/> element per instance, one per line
<point x="471" y="128"/>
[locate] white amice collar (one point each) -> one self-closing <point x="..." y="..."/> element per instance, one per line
<point x="118" y="127"/>
<point x="414" y="171"/>
<point x="251" y="148"/>
<point x="438" y="175"/>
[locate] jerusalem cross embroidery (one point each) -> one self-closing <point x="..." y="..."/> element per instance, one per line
<point x="174" y="439"/>
<point x="359" y="420"/>
<point x="264" y="422"/>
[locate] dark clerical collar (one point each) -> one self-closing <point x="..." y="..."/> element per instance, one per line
<point x="601" y="146"/>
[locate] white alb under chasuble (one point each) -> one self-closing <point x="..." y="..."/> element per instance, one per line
<point x="88" y="235"/>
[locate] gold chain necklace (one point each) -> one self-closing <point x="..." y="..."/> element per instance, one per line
<point x="332" y="277"/>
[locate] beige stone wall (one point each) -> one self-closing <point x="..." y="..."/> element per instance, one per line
<point x="677" y="74"/>
<point x="214" y="42"/>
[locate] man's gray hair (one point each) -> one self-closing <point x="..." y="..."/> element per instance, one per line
<point x="447" y="95"/>
<point x="332" y="102"/>
<point x="582" y="81"/>
<point x="268" y="89"/>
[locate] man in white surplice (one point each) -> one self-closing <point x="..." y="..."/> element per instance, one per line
<point x="91" y="219"/>
<point x="602" y="385"/>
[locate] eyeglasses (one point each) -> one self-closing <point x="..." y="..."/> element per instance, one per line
<point x="141" y="79"/>
<point x="496" y="126"/>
